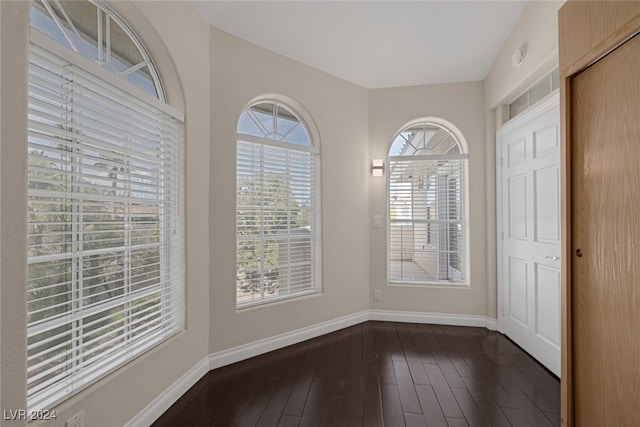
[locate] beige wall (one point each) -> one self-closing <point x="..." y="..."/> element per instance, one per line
<point x="241" y="72"/>
<point x="537" y="31"/>
<point x="165" y="28"/>
<point x="460" y="104"/>
<point x="13" y="115"/>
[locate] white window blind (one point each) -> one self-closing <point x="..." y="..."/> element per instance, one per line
<point x="276" y="217"/>
<point x="105" y="234"/>
<point x="427" y="227"/>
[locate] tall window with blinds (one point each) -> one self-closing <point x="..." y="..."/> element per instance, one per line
<point x="105" y="234"/>
<point x="277" y="221"/>
<point x="428" y="209"/>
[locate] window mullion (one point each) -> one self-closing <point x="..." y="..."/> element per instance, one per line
<point x="100" y="41"/>
<point x="107" y="49"/>
<point x="258" y="123"/>
<point x="56" y="19"/>
<point x="275" y="118"/>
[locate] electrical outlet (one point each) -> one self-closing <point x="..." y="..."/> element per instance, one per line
<point x="377" y="294"/>
<point x="76" y="421"/>
<point x="377" y="221"/>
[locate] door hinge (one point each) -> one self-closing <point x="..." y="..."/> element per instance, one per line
<point x="502" y="235"/>
<point x="501" y="162"/>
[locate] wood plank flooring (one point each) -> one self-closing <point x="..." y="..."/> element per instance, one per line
<point x="378" y="374"/>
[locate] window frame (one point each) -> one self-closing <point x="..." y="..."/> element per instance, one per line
<point x="463" y="158"/>
<point x="313" y="150"/>
<point x="174" y="324"/>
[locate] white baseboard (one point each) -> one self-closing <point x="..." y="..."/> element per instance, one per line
<point x="492" y="324"/>
<point x="433" y="318"/>
<point x="226" y="357"/>
<point x="236" y="354"/>
<point x="160" y="404"/>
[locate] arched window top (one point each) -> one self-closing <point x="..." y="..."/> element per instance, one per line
<point x="426" y="138"/>
<point x="94" y="31"/>
<point x="275" y="121"/>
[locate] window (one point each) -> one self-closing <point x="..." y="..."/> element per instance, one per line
<point x="277" y="224"/>
<point x="428" y="211"/>
<point x="105" y="240"/>
<point x="541" y="89"/>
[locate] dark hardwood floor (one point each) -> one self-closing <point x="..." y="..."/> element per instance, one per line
<point x="378" y="374"/>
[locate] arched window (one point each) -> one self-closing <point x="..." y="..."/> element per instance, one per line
<point x="93" y="31"/>
<point x="105" y="241"/>
<point x="277" y="205"/>
<point x="428" y="209"/>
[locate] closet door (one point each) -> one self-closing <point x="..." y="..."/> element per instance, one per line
<point x="605" y="239"/>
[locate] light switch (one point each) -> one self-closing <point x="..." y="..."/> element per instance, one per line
<point x="377" y="221"/>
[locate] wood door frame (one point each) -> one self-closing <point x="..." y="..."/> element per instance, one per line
<point x="610" y="34"/>
<point x="547" y="103"/>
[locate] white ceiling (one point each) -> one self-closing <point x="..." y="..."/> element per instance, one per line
<point x="375" y="43"/>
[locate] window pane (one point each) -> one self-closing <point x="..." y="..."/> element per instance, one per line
<point x="273" y="121"/>
<point x="424" y="139"/>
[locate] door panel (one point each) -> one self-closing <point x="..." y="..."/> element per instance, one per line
<point x="548" y="303"/>
<point x="516" y="151"/>
<point x="546" y="141"/>
<point x="517" y="207"/>
<point x="530" y="208"/>
<point x="518" y="278"/>
<point x="547" y="221"/>
<point x="605" y="200"/>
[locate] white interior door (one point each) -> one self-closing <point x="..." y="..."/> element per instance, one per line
<point x="529" y="231"/>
